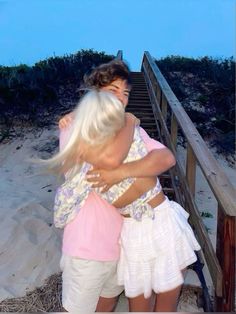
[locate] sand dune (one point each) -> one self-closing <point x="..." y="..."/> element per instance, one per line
<point x="30" y="246"/>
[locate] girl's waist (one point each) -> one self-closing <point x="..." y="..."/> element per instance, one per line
<point x="153" y="203"/>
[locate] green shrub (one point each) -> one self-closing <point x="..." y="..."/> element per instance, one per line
<point x="31" y="91"/>
<point x="217" y="96"/>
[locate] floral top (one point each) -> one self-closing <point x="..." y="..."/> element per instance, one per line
<point x="71" y="195"/>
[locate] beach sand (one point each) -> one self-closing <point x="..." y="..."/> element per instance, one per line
<point x="30" y="246"/>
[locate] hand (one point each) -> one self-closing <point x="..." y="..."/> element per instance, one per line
<point x="66" y="120"/>
<point x="105" y="179"/>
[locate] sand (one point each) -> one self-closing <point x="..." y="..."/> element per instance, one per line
<point x="30" y="246"/>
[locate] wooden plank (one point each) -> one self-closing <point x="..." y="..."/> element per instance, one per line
<point x="225" y="250"/>
<point x="119" y="55"/>
<point x="163" y="107"/>
<point x="158" y="92"/>
<point x="191" y="169"/>
<point x="174" y="131"/>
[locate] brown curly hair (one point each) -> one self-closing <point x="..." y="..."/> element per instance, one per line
<point x="106" y="73"/>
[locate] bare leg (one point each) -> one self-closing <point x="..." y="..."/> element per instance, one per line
<point x="106" y="304"/>
<point x="167" y="301"/>
<point x="139" y="304"/>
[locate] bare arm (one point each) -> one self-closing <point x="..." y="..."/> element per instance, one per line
<point x="118" y="148"/>
<point x="153" y="164"/>
<point x="112" y="154"/>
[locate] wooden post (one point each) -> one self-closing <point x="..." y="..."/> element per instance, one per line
<point x="158" y="93"/>
<point x="174" y="130"/>
<point x="191" y="169"/>
<point x="225" y="251"/>
<point x="164" y="108"/>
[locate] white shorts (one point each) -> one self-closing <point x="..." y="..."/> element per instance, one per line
<point x="84" y="281"/>
<point x="153" y="252"/>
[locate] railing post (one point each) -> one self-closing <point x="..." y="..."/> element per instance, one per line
<point x="225" y="251"/>
<point x="158" y="93"/>
<point x="164" y="112"/>
<point x="191" y="169"/>
<point x="119" y="55"/>
<point x="164" y="108"/>
<point x="174" y="130"/>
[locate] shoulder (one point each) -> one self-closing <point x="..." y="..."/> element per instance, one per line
<point x="150" y="142"/>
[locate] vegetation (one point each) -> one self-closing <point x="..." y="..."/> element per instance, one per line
<point x="39" y="94"/>
<point x="36" y="94"/>
<point x="206" y="89"/>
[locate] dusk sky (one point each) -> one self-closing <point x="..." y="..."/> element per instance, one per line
<point x="33" y="30"/>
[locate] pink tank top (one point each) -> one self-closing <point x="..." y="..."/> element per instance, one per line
<point x="95" y="231"/>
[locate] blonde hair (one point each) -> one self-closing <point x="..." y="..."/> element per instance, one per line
<point x="98" y="116"/>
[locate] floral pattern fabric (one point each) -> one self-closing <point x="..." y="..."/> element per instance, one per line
<point x="71" y="195"/>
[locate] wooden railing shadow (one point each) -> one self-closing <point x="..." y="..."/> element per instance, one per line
<point x="170" y="119"/>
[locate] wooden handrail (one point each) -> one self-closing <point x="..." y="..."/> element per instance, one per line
<point x="185" y="198"/>
<point x="221" y="263"/>
<point x="219" y="182"/>
<point x="119" y="55"/>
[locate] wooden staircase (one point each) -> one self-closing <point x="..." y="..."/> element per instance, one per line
<point x="164" y="119"/>
<point x="140" y="105"/>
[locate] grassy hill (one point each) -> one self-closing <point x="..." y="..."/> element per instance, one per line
<point x="40" y="94"/>
<point x="206" y="89"/>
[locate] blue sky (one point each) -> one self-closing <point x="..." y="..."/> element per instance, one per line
<point x="32" y="30"/>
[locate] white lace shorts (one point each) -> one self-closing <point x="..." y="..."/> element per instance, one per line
<point x="84" y="281"/>
<point x="153" y="252"/>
